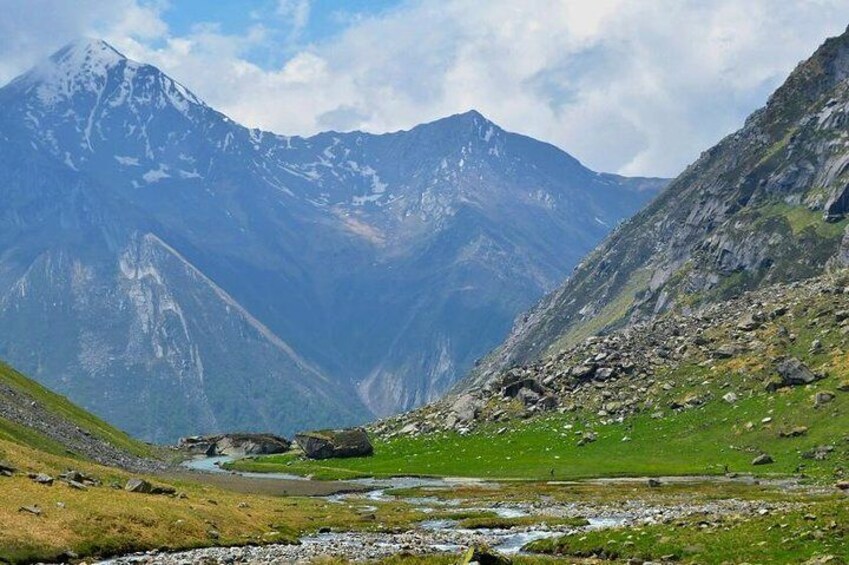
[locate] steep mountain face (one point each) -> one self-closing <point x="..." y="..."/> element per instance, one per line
<point x="767" y="204"/>
<point x="178" y="273"/>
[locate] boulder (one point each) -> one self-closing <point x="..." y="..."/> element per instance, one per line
<point x="327" y="444"/>
<point x="794" y="432"/>
<point x="143" y="487"/>
<point x="6" y="470"/>
<point x="234" y="445"/>
<point x="139" y="485"/>
<point x="41" y="478"/>
<point x="762" y="459"/>
<point x="466" y="407"/>
<point x="823" y="397"/>
<point x="484" y="556"/>
<point x="793" y="372"/>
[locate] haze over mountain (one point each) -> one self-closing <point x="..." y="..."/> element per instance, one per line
<point x="176" y="272"/>
<point x="767" y="204"/>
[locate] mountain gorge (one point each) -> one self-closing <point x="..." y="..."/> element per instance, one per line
<point x="176" y="272"/>
<point x="766" y="205"/>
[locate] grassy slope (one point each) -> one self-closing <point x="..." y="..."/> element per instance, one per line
<point x="105" y="520"/>
<point x="63" y="407"/>
<point x="699" y="440"/>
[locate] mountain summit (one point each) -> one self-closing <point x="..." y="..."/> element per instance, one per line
<point x="178" y="273"/>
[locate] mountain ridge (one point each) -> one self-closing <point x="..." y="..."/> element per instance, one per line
<point x="763" y="205"/>
<point x="388" y="263"/>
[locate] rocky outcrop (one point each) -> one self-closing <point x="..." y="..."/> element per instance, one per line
<point x="327" y="444"/>
<point x="630" y="370"/>
<point x="234" y="445"/>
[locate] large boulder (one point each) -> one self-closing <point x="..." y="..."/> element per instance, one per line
<point x="234" y="445"/>
<point x="793" y="372"/>
<point x="327" y="444"/>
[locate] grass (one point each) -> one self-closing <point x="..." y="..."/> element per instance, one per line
<point x="691" y="442"/>
<point x="61" y="406"/>
<point x="792" y="537"/>
<point x="106" y="521"/>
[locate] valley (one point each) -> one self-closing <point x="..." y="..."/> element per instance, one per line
<point x="451" y="344"/>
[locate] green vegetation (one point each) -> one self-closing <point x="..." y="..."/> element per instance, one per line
<point x="791" y="537"/>
<point x="61" y="406"/>
<point x="696" y="441"/>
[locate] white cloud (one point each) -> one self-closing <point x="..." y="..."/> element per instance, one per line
<point x="634" y="87"/>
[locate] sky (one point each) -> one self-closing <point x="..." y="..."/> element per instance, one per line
<point x="637" y="88"/>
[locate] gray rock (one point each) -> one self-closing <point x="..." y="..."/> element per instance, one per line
<point x="138" y="485"/>
<point x="466" y="408"/>
<point x="234" y="445"/>
<point x="327" y="444"/>
<point x="762" y="459"/>
<point x="6" y="470"/>
<point x="823" y="397"/>
<point x="34" y="509"/>
<point x="793" y="372"/>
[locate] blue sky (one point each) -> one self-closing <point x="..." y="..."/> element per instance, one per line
<point x="324" y="20"/>
<point x="637" y="88"/>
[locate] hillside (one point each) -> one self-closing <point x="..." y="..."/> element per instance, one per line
<point x="765" y="205"/>
<point x="36" y="417"/>
<point x="151" y="248"/>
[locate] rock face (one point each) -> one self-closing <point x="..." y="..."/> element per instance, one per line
<point x="227" y="260"/>
<point x="234" y="445"/>
<point x="765" y="205"/>
<point x="327" y="444"/>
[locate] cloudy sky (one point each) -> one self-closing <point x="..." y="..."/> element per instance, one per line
<point x="625" y="86"/>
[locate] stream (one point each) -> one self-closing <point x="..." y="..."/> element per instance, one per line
<point x="429" y="536"/>
<point x="439" y="534"/>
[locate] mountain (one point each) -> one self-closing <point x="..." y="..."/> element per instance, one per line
<point x="175" y="272"/>
<point x="767" y="204"/>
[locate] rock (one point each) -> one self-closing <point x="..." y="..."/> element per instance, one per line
<point x="466" y="408"/>
<point x="484" y="556"/>
<point x="41" y="479"/>
<point x="794" y="432"/>
<point x="793" y="372"/>
<point x="843" y="386"/>
<point x="842" y="485"/>
<point x="34" y="509"/>
<point x="823" y="397"/>
<point x="6" y="470"/>
<point x="816" y="346"/>
<point x="327" y="444"/>
<point x="587" y="437"/>
<point x="511" y="386"/>
<point x="726" y="351"/>
<point x="234" y="445"/>
<point x="730" y="397"/>
<point x="762" y="459"/>
<point x="528" y="396"/>
<point x="748" y="323"/>
<point x="138" y="485"/>
<point x="654" y="483"/>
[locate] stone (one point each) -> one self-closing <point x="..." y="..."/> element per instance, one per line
<point x="794" y="432"/>
<point x="139" y="486"/>
<point x="34" y="509"/>
<point x="748" y="323"/>
<point x="466" y="408"/>
<point x="654" y="483"/>
<point x="762" y="459"/>
<point x="41" y="479"/>
<point x="842" y="485"/>
<point x="234" y="445"/>
<point x="843" y="386"/>
<point x="327" y="444"/>
<point x="484" y="556"/>
<point x="823" y="397"/>
<point x="793" y="372"/>
<point x="730" y="397"/>
<point x="6" y="469"/>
